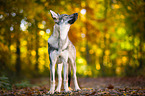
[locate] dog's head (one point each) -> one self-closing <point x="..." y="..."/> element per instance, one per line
<point x="64" y="18"/>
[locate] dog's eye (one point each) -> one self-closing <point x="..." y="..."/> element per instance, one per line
<point x="65" y="17"/>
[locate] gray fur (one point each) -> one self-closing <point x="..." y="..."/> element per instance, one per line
<point x="62" y="51"/>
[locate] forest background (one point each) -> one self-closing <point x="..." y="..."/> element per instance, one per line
<point x="109" y="37"/>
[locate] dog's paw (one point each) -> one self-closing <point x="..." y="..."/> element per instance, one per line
<point x="57" y="91"/>
<point x="77" y="89"/>
<point x="70" y="88"/>
<point x="51" y="92"/>
<point x="67" y="90"/>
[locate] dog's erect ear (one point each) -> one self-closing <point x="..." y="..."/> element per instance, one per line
<point x="58" y="14"/>
<point x="54" y="16"/>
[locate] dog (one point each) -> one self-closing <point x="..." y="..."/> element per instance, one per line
<point x="62" y="52"/>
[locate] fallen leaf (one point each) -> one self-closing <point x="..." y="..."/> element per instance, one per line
<point x="110" y="86"/>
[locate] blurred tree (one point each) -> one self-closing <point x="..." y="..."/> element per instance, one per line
<point x="108" y="36"/>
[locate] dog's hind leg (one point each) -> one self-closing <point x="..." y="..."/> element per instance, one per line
<point x="73" y="63"/>
<point x="69" y="74"/>
<point x="59" y="70"/>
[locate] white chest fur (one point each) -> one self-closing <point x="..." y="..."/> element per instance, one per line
<point x="64" y="30"/>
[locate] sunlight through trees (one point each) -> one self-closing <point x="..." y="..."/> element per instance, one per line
<point x="109" y="36"/>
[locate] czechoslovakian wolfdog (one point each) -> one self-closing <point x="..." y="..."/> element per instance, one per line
<point x="61" y="51"/>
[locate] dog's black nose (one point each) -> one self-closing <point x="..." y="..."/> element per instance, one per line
<point x="76" y="14"/>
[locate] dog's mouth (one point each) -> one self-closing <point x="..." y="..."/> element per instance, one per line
<point x="73" y="18"/>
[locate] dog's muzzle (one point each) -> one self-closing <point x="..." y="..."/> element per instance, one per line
<point x="74" y="18"/>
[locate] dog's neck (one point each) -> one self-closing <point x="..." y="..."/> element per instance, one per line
<point x="61" y="30"/>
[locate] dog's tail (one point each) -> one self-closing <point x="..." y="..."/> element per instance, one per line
<point x="69" y="74"/>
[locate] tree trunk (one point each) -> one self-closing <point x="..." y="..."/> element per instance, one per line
<point x="18" y="61"/>
<point x="102" y="70"/>
<point x="37" y="55"/>
<point x="141" y="57"/>
<point x="87" y="46"/>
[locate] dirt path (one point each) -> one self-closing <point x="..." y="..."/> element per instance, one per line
<point x="90" y="87"/>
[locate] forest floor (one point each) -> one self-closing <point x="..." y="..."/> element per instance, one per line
<point x="108" y="86"/>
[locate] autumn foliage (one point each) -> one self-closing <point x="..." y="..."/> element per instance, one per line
<point x="109" y="36"/>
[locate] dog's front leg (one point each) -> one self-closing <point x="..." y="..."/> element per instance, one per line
<point x="59" y="69"/>
<point x="53" y="58"/>
<point x="65" y="70"/>
<point x="52" y="78"/>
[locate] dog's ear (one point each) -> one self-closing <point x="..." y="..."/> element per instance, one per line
<point x="54" y="16"/>
<point x="58" y="14"/>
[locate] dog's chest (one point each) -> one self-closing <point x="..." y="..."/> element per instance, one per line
<point x="59" y="34"/>
<point x="64" y="31"/>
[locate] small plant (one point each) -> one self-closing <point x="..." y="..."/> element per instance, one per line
<point x="23" y="84"/>
<point x="4" y="83"/>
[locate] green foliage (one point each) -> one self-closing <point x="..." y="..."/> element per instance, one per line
<point x="23" y="84"/>
<point x="4" y="83"/>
